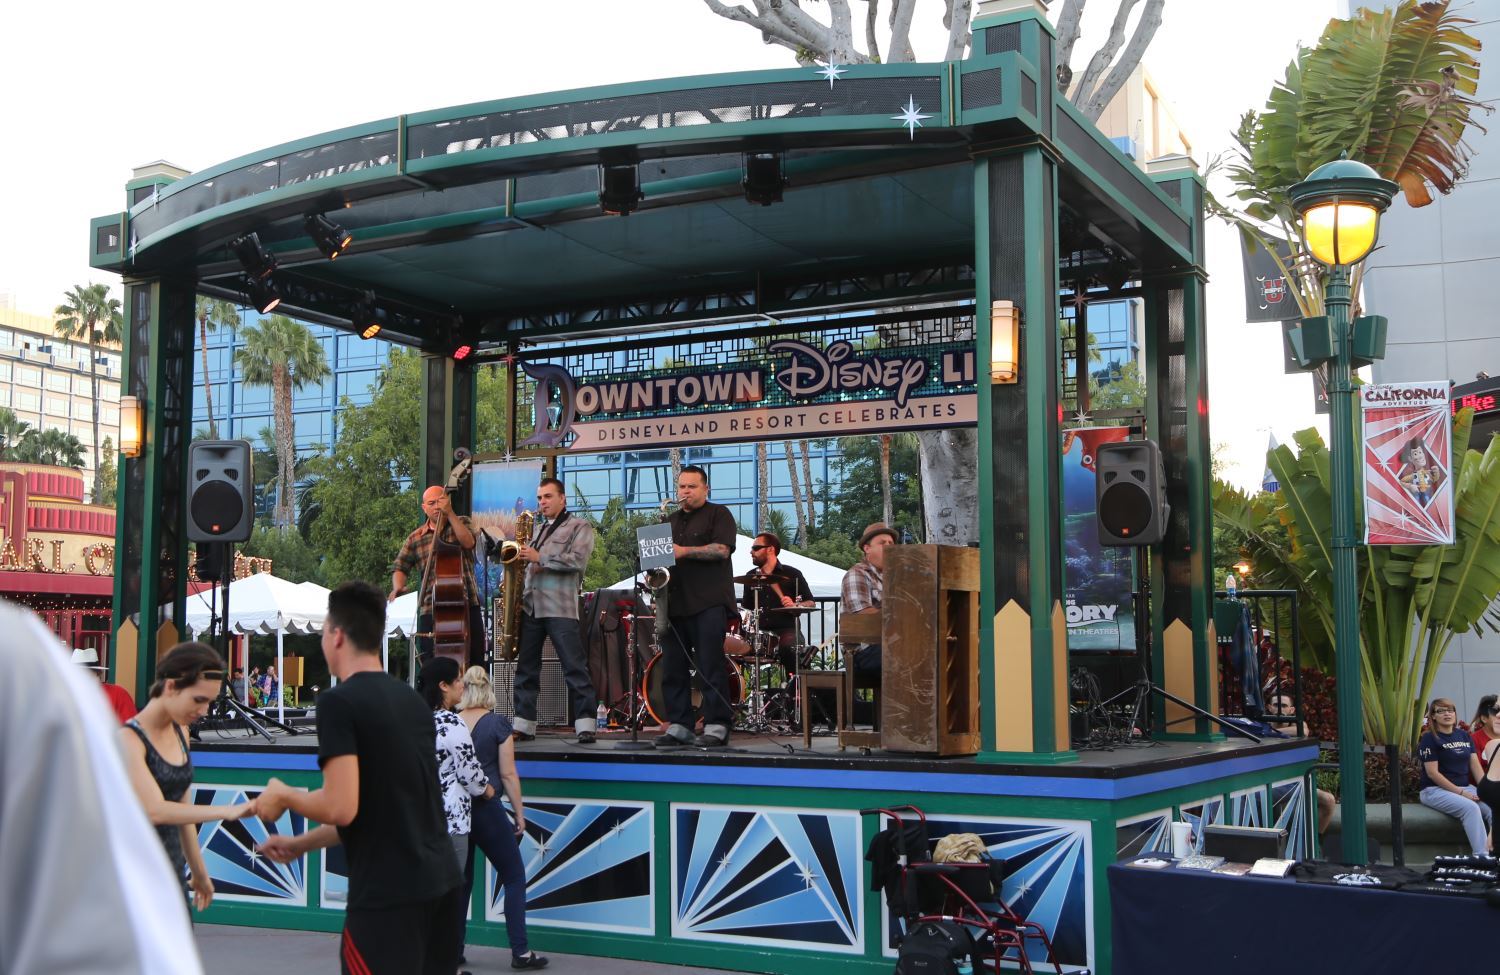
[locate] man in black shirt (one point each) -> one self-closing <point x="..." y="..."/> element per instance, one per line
<point x="699" y="600"/>
<point x="381" y="799"/>
<point x="785" y="589"/>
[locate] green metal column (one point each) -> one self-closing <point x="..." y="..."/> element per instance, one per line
<point x="448" y="418"/>
<point x="1184" y="658"/>
<point x="150" y="538"/>
<point x="1023" y="634"/>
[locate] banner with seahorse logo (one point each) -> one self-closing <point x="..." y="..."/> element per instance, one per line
<point x="1407" y="447"/>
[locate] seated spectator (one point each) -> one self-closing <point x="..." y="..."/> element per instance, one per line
<point x="1281" y="704"/>
<point x="1485" y="727"/>
<point x="1449" y="770"/>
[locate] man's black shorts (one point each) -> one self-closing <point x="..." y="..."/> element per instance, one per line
<point x="413" y="939"/>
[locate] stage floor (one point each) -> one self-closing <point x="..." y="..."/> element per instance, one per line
<point x="558" y="750"/>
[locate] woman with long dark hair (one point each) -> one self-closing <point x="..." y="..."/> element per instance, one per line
<point x="460" y="775"/>
<point x="160" y="766"/>
<point x="493" y="832"/>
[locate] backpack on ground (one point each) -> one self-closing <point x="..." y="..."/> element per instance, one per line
<point x="934" y="948"/>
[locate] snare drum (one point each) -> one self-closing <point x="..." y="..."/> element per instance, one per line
<point x="654" y="691"/>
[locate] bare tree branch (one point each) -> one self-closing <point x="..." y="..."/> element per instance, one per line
<point x="841" y="31"/>
<point x="772" y="29"/>
<point x="1145" y="29"/>
<point x="1105" y="56"/>
<point x="870" y="21"/>
<point x="901" y="13"/>
<point x="1069" y="26"/>
<point x="956" y="16"/>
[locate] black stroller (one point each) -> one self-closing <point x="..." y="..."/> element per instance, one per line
<point x="959" y="905"/>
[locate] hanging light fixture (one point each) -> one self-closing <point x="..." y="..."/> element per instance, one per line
<point x="131" y="426"/>
<point x="1005" y="332"/>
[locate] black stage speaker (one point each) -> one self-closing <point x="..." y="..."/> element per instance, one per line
<point x="1130" y="493"/>
<point x="1244" y="844"/>
<point x="552" y="696"/>
<point x="220" y="489"/>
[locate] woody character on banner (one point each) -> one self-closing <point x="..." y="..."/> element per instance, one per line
<point x="1408" y="464"/>
<point x="1096" y="577"/>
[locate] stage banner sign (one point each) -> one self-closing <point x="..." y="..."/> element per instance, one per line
<point x="654" y="543"/>
<point x="502" y="490"/>
<point x="1096" y="577"/>
<point x="789" y="390"/>
<point x="1407" y="447"/>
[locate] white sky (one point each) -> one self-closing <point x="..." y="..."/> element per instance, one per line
<point x="95" y="89"/>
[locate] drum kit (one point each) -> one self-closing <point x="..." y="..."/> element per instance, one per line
<point x="750" y="651"/>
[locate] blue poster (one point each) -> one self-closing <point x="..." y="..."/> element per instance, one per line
<point x="1096" y="578"/>
<point x="502" y="490"/>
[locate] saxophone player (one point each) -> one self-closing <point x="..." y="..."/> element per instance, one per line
<point x="554" y="562"/>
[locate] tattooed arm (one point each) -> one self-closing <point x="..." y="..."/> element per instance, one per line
<point x="712" y="552"/>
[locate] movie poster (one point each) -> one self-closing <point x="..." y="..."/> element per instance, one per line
<point x="1097" y="579"/>
<point x="502" y="490"/>
<point x="1408" y="464"/>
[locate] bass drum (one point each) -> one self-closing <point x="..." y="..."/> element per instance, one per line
<point x="654" y="692"/>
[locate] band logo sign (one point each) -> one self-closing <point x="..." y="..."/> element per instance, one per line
<point x="797" y="390"/>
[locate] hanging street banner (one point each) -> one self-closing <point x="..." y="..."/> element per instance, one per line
<point x="794" y="389"/>
<point x="1408" y="464"/>
<point x="1268" y="294"/>
<point x="1097" y="578"/>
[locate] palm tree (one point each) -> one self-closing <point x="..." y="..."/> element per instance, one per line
<point x="791" y="469"/>
<point x="12" y="429"/>
<point x="213" y="314"/>
<point x="762" y="487"/>
<point x="50" y="446"/>
<point x="89" y="313"/>
<point x="282" y="354"/>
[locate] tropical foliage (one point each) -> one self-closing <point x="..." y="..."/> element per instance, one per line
<point x="212" y="314"/>
<point x="1392" y="89"/>
<point x="284" y="355"/>
<point x="52" y="446"/>
<point x="89" y="313"/>
<point x="1412" y="599"/>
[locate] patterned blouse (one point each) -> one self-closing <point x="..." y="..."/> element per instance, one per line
<point x="459" y="771"/>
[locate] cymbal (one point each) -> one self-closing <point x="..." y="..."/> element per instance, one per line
<point x="756" y="578"/>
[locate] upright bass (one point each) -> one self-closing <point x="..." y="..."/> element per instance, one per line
<point x="450" y="603"/>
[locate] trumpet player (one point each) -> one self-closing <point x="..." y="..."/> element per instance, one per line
<point x="554" y="562"/>
<point x="701" y="596"/>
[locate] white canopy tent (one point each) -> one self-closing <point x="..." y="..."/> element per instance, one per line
<point x="262" y="603"/>
<point x="400" y="622"/>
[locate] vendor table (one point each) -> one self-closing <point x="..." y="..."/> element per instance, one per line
<point x="1170" y="921"/>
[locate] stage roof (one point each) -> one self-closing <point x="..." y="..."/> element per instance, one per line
<point x="483" y="221"/>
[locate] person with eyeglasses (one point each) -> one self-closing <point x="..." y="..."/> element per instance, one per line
<point x="161" y="767"/>
<point x="1449" y="770"/>
<point x="785" y="589"/>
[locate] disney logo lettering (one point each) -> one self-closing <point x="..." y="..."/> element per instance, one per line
<point x="810" y="372"/>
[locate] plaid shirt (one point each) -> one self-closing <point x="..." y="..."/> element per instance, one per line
<point x="862" y="589"/>
<point x="417" y="551"/>
<point x="552" y="583"/>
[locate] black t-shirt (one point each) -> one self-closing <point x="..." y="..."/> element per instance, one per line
<point x="397" y="846"/>
<point x="1450" y="751"/>
<point x="698" y="584"/>
<point x="778" y="619"/>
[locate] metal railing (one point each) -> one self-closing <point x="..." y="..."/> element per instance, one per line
<point x="1274" y="629"/>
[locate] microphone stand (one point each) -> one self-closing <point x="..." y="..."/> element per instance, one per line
<point x="635" y="742"/>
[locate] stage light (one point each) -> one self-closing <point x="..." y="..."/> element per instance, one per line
<point x="371" y="330"/>
<point x="619" y="188"/>
<point x="365" y="317"/>
<point x="1005" y="340"/>
<point x="255" y="259"/>
<point x="462" y="352"/>
<point x="764" y="179"/>
<point x="130" y="426"/>
<point x="329" y="237"/>
<point x="264" y="296"/>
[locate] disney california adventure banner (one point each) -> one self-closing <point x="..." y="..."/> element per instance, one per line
<point x="1408" y="464"/>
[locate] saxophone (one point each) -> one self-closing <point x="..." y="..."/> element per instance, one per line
<point x="512" y="585"/>
<point x="656" y="581"/>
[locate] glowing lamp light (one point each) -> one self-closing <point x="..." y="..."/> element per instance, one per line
<point x="462" y="352"/>
<point x="130" y="426"/>
<point x="1005" y="340"/>
<point x="371" y="330"/>
<point x="1340" y="204"/>
<point x="1242" y="567"/>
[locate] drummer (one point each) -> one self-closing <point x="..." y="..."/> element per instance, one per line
<point x="783" y="596"/>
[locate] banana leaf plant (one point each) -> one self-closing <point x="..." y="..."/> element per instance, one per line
<point x="1393" y="89"/>
<point x="1413" y="599"/>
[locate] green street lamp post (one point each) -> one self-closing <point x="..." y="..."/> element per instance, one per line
<point x="1340" y="204"/>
